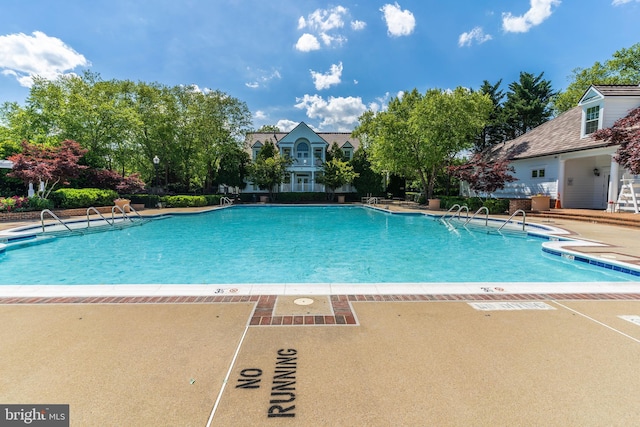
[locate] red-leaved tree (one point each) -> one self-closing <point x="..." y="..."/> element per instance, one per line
<point x="626" y="133"/>
<point x="49" y="165"/>
<point x="482" y="175"/>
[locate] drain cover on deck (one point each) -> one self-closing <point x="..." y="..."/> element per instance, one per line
<point x="297" y="305"/>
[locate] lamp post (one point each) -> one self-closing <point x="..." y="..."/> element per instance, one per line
<point x="156" y="162"/>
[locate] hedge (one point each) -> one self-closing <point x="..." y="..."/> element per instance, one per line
<point x="69" y="198"/>
<point x="184" y="201"/>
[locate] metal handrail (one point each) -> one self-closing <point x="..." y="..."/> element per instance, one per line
<point x="133" y="210"/>
<point x="225" y="201"/>
<point x="113" y="216"/>
<point x="96" y="211"/>
<point x="486" y="219"/>
<point x="372" y="201"/>
<point x="54" y="217"/>
<point x="466" y="208"/>
<point x="524" y="219"/>
<point x="443" y="217"/>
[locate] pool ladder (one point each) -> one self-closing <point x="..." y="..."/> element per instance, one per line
<point x="89" y="210"/>
<point x="456" y="210"/>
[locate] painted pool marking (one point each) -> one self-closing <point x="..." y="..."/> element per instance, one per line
<point x="495" y="306"/>
<point x="283" y="386"/>
<point x="631" y="318"/>
<point x="598" y="322"/>
<point x="226" y="378"/>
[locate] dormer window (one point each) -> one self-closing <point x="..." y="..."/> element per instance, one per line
<point x="591" y="120"/>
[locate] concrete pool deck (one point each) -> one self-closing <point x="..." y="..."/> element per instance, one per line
<point x="457" y="358"/>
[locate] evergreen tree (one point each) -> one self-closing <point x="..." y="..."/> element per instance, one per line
<point x="367" y="181"/>
<point x="528" y="104"/>
<point x="493" y="132"/>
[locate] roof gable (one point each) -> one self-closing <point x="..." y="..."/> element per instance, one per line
<point x="590" y="95"/>
<point x="603" y="91"/>
<point x="302" y="131"/>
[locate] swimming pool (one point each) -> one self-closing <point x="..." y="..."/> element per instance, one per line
<point x="293" y="244"/>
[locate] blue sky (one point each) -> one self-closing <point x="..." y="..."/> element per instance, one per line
<point x="321" y="62"/>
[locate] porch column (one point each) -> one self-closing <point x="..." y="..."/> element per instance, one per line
<point x="614" y="181"/>
<point x="313" y="180"/>
<point x="560" y="186"/>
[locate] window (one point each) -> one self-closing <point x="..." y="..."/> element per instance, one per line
<point x="591" y="122"/>
<point x="537" y="173"/>
<point x="347" y="153"/>
<point x="303" y="150"/>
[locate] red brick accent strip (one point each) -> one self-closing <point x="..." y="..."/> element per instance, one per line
<point x="342" y="311"/>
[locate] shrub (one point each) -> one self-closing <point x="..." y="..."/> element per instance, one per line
<point x="39" y="204"/>
<point x="148" y="200"/>
<point x="13" y="204"/>
<point x="184" y="201"/>
<point x="213" y="199"/>
<point x="69" y="198"/>
<point x="497" y="206"/>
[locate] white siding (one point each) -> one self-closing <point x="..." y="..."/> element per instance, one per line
<point x="616" y="108"/>
<point x="526" y="185"/>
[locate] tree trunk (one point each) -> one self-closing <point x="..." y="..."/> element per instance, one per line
<point x="425" y="184"/>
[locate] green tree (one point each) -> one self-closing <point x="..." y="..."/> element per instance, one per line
<point x="335" y="174"/>
<point x="493" y="132"/>
<point x="418" y="135"/>
<point x="447" y="123"/>
<point x="367" y="181"/>
<point x="528" y="104"/>
<point x="269" y="129"/>
<point x="233" y="167"/>
<point x="269" y="169"/>
<point x="124" y="125"/>
<point x="335" y="152"/>
<point x="622" y="68"/>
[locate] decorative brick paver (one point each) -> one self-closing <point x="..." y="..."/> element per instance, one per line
<point x="263" y="313"/>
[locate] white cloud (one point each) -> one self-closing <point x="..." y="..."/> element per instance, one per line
<point x="325" y="25"/>
<point x="25" y="56"/>
<point x="619" y="2"/>
<point x="286" y="125"/>
<point x="328" y="40"/>
<point x="358" y="25"/>
<point x="260" y="115"/>
<point x="328" y="79"/>
<point x="323" y="20"/>
<point x="307" y="42"/>
<point x="477" y="35"/>
<point x="540" y="10"/>
<point x="399" y="22"/>
<point x="338" y="114"/>
<point x="262" y="78"/>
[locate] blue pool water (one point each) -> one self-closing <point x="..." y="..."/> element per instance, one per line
<point x="292" y="245"/>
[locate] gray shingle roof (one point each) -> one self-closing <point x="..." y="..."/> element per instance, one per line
<point x="618" y="90"/>
<point x="560" y="135"/>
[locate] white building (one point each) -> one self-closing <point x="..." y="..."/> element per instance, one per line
<point x="308" y="150"/>
<point x="561" y="159"/>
